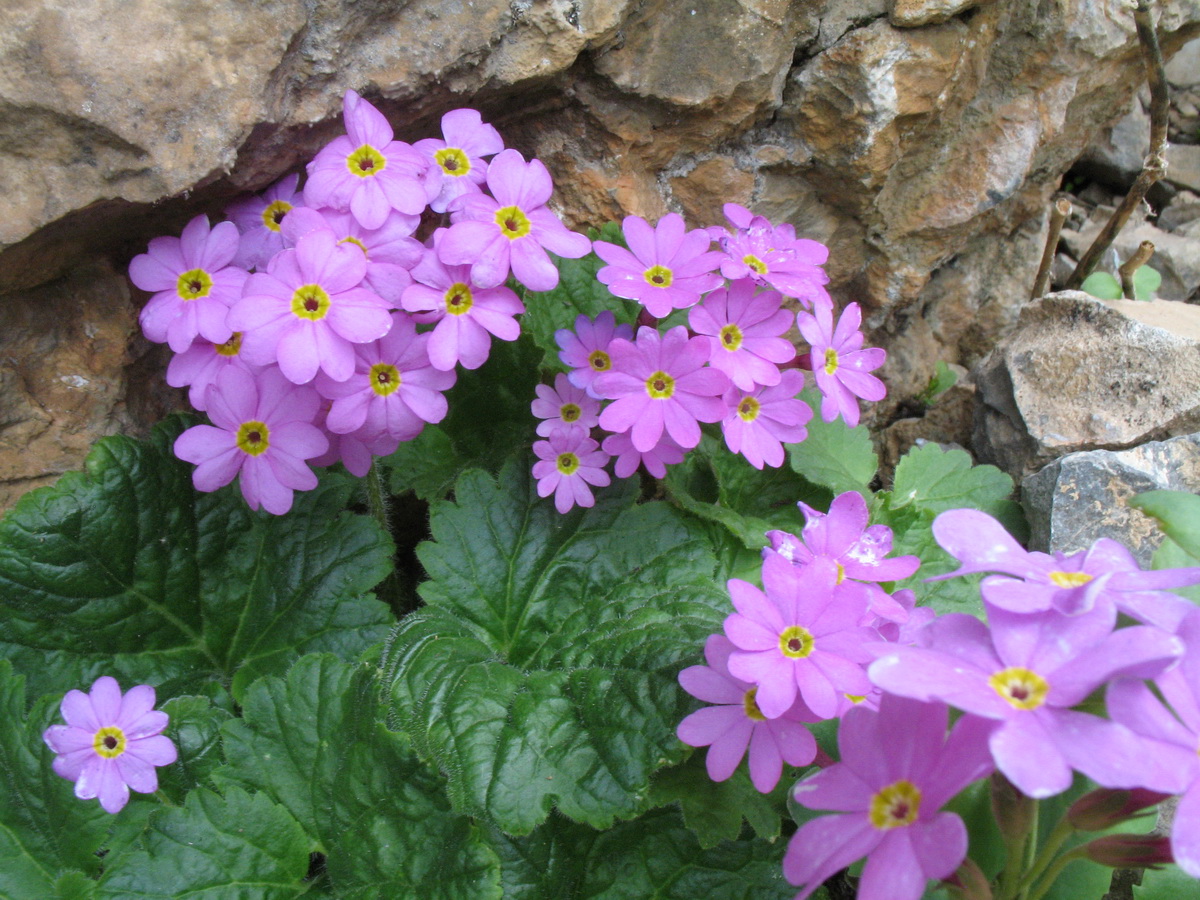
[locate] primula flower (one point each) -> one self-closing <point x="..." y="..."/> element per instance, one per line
<point x="260" y="221"/>
<point x="585" y="349"/>
<point x="458" y="159"/>
<point x="661" y="383"/>
<point x="1105" y="578"/>
<point x="628" y="457"/>
<point x="366" y="172"/>
<point x="737" y="723"/>
<point x="467" y="314"/>
<point x="194" y="282"/>
<point x="198" y="366"/>
<point x="744" y="331"/>
<point x="355" y="450"/>
<point x="111" y="742"/>
<point x="261" y="432"/>
<point x="563" y="404"/>
<point x="801" y="636"/>
<point x="567" y="463"/>
<point x="515" y="228"/>
<point x="665" y="267"/>
<point x="774" y="256"/>
<point x="762" y="420"/>
<point x="840" y="364"/>
<point x="1026" y="672"/>
<point x="307" y="311"/>
<point x="898" y="769"/>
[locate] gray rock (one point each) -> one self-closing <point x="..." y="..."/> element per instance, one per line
<point x="1183" y="70"/>
<point x="914" y="13"/>
<point x="1083" y="496"/>
<point x="1117" y="155"/>
<point x="1183" y="166"/>
<point x="1176" y="254"/>
<point x="1183" y="208"/>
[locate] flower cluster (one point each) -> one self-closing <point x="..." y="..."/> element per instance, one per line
<point x="313" y="327"/>
<point x="732" y="363"/>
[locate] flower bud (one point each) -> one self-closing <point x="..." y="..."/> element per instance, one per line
<point x="969" y="882"/>
<point x="1102" y="809"/>
<point x="1012" y="809"/>
<point x="1130" y="850"/>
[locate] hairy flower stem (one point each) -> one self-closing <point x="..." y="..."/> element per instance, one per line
<point x="1054" y="842"/>
<point x="390" y="590"/>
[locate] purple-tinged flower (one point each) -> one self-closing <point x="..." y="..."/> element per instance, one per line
<point x="840" y="364"/>
<point x="194" y="284"/>
<point x="567" y="463"/>
<point x="898" y="769"/>
<point x="355" y="450"/>
<point x="760" y="421"/>
<point x="1105" y="578"/>
<point x="666" y="267"/>
<point x="1026" y="672"/>
<point x="262" y="432"/>
<point x="198" y="366"/>
<point x="661" y="384"/>
<point x="111" y="742"/>
<point x="774" y="256"/>
<point x="308" y="310"/>
<point x="585" y="349"/>
<point x="801" y="636"/>
<point x="628" y="457"/>
<point x="394" y="389"/>
<point x="908" y="631"/>
<point x="737" y="723"/>
<point x="516" y="228"/>
<point x="458" y="159"/>
<point x="368" y="173"/>
<point x="564" y="404"/>
<point x="467" y="314"/>
<point x="744" y="331"/>
<point x="260" y="221"/>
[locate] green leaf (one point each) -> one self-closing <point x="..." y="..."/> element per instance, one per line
<point x="714" y="810"/>
<point x="543" y="668"/>
<point x="833" y="455"/>
<point x="125" y="569"/>
<point x="1145" y="282"/>
<point x="651" y="858"/>
<point x="937" y="480"/>
<point x="1170" y="555"/>
<point x="239" y="845"/>
<point x="1178" y="515"/>
<point x="427" y="465"/>
<point x="1169" y="883"/>
<point x="942" y="380"/>
<point x="1102" y="285"/>
<point x="312" y="741"/>
<point x="195" y="729"/>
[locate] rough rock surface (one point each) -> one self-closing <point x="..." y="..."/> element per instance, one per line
<point x="1082" y="497"/>
<point x="1081" y="374"/>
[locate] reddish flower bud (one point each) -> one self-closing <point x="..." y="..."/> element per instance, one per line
<point x="1130" y="850"/>
<point x="1102" y="809"/>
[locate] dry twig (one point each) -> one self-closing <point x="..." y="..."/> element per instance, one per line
<point x="1140" y="257"/>
<point x="1058" y="215"/>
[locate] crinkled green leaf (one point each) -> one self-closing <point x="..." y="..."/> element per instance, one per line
<point x="1178" y="515"/>
<point x="240" y="845"/>
<point x="936" y="480"/>
<point x="427" y="465"/>
<point x="542" y="671"/>
<point x="833" y="455"/>
<point x="195" y="729"/>
<point x="913" y="535"/>
<point x="714" y="810"/>
<point x="125" y="569"/>
<point x="312" y="741"/>
<point x="651" y="858"/>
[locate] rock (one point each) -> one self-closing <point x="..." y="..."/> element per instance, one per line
<point x="915" y="13"/>
<point x="1183" y="69"/>
<point x="1176" y="254"/>
<point x="1082" y="497"/>
<point x="1183" y="208"/>
<point x="948" y="421"/>
<point x="1116" y="158"/>
<point x="1082" y="374"/>
<point x="1183" y="166"/>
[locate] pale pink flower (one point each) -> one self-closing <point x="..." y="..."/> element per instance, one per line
<point x="568" y="462"/>
<point x="761" y="421"/>
<point x="585" y="349"/>
<point x="563" y="404"/>
<point x="458" y="159"/>
<point x="840" y="364"/>
<point x="743" y="329"/>
<point x="665" y="453"/>
<point x="260" y="221"/>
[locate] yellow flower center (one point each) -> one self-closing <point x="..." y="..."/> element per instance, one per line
<point x="755" y="263"/>
<point x="660" y="385"/>
<point x="567" y="463"/>
<point x="109" y="742"/>
<point x="831" y="361"/>
<point x="1020" y="687"/>
<point x="253" y="437"/>
<point x="458" y="299"/>
<point x="453" y="161"/>
<point x="841" y="576"/>
<point x="385" y="379"/>
<point x="658" y="276"/>
<point x="750" y="705"/>
<point x="599" y="361"/>
<point x="310" y="302"/>
<point x="193" y="284"/>
<point x="1069" y="579"/>
<point x="513" y="223"/>
<point x="748" y="408"/>
<point x="366" y="161"/>
<point x="731" y="338"/>
<point x="273" y="215"/>
<point x="570" y="412"/>
<point x="855" y="698"/>
<point x="895" y="806"/>
<point x="350" y="239"/>
<point x="795" y="642"/>
<point x="231" y="347"/>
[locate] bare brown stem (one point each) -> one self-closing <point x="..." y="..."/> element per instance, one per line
<point x="1058" y="215"/>
<point x="1140" y="257"/>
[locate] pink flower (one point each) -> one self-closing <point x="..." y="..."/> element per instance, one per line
<point x="661" y="383"/>
<point x="744" y="331"/>
<point x="840" y="365"/>
<point x="568" y="462"/>
<point x="728" y="729"/>
<point x="354" y="450"/>
<point x="201" y="363"/>
<point x="585" y="349"/>
<point x="665" y="267"/>
<point x="665" y="453"/>
<point x="459" y="158"/>
<point x="515" y="228"/>
<point x="773" y="255"/>
<point x="111" y="742"/>
<point x="260" y="221"/>
<point x="194" y="282"/>
<point x="762" y="420"/>
<point x="262" y="431"/>
<point x="898" y="769"/>
<point x="563" y="404"/>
